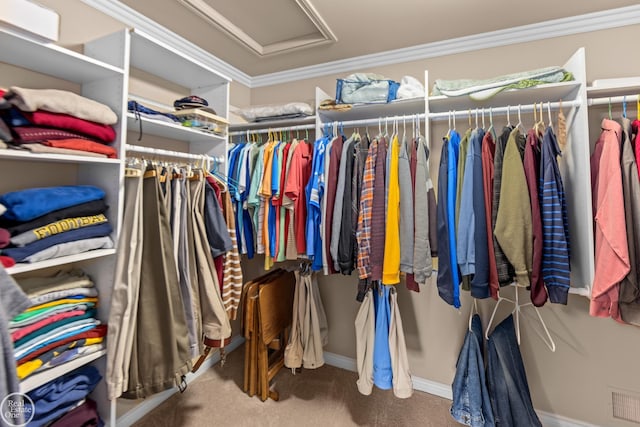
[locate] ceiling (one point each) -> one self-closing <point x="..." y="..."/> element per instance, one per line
<point x="359" y="27"/>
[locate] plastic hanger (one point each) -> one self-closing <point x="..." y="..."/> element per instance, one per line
<point x="549" y="113"/>
<point x="610" y="116"/>
<point x="624" y="106"/>
<point x="477" y="127"/>
<point x="508" y="115"/>
<point x="483" y="122"/>
<point x="547" y="339"/>
<point x="519" y="125"/>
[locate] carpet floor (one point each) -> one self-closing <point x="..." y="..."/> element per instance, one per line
<point x="322" y="397"/>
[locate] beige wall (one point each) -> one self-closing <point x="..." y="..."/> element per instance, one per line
<point x="593" y="356"/>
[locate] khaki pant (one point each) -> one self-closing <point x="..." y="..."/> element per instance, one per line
<point x="402" y="384"/>
<point x="124" y="298"/>
<point x="215" y="323"/>
<point x="365" y="335"/>
<point x="160" y="353"/>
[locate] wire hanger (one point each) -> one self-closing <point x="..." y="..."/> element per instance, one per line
<point x="547" y="339"/>
<point x="474" y="310"/>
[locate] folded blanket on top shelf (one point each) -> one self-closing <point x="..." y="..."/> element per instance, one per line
<point x="60" y="101"/>
<point x="486" y="88"/>
<point x="273" y="111"/>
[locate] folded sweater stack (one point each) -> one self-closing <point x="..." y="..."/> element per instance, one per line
<point x="44" y="223"/>
<point x="64" y="402"/>
<point x="56" y="121"/>
<point x="59" y="326"/>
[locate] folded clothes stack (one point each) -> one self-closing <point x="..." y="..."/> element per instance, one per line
<point x="64" y="402"/>
<point x="56" y="121"/>
<point x="59" y="326"/>
<point x="43" y="223"/>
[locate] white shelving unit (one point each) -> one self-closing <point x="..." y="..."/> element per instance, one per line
<point x="106" y="83"/>
<point x="36" y="380"/>
<point x="135" y="49"/>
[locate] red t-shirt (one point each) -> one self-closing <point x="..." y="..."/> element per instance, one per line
<point x="297" y="179"/>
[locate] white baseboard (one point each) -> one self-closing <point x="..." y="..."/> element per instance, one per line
<point x="444" y="391"/>
<point x="149" y="404"/>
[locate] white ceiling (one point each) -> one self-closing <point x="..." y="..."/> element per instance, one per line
<point x="360" y="26"/>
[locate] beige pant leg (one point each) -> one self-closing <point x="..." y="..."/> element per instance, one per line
<point x="365" y="334"/>
<point x="293" y="351"/>
<point x="402" y="384"/>
<point x="124" y="299"/>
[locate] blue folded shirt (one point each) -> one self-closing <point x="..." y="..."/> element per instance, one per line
<point x="26" y="205"/>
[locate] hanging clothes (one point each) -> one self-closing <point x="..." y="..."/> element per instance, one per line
<point x="556" y="267"/>
<point x="402" y="383"/>
<point x="365" y="337"/>
<point x="392" y="256"/>
<point x="503" y="266"/>
<point x="630" y="286"/>
<point x="612" y="250"/>
<point x="488" y="152"/>
<point x="152" y="371"/>
<point x="507" y="379"/>
<point x="532" y="171"/>
<point x="232" y="277"/>
<point x="363" y="234"/>
<point x="513" y="228"/>
<point x="471" y="404"/>
<point x="424" y="213"/>
<point x="382" y="370"/>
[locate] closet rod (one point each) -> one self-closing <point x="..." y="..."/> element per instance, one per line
<point x="381" y="119"/>
<point x="270" y="129"/>
<point x="605" y="100"/>
<point x="513" y="109"/>
<point x="169" y="153"/>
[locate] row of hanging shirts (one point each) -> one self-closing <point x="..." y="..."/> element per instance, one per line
<point x="294" y="199"/>
<point x="502" y="212"/>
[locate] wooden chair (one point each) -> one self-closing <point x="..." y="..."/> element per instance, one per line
<point x="275" y="312"/>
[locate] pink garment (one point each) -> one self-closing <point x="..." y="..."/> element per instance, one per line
<point x="636" y="130"/>
<point x="611" y="251"/>
<point x="23" y="332"/>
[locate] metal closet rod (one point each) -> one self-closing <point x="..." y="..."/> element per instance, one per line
<point x="279" y="129"/>
<point x="351" y="123"/>
<point x="169" y="153"/>
<point x="511" y="109"/>
<point x="605" y="100"/>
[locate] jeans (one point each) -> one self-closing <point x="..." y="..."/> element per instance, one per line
<point x="471" y="404"/>
<point x="507" y="379"/>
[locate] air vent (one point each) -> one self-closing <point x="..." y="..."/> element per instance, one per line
<point x="626" y="406"/>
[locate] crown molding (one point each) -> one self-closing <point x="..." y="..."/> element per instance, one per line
<point x="602" y="20"/>
<point x="134" y="19"/>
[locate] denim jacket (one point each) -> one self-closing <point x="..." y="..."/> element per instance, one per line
<point x="471" y="404"/>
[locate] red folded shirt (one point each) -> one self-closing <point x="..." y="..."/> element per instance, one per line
<point x="28" y="134"/>
<point x="83" y="145"/>
<point x="99" y="131"/>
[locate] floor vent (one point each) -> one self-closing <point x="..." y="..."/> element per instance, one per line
<point x="626" y="406"/>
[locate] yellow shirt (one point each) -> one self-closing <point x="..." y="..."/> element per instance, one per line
<point x="391" y="263"/>
<point x="61" y="301"/>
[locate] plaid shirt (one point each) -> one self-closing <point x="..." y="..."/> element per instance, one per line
<point x="363" y="234"/>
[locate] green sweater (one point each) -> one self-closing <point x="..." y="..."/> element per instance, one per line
<point x="513" y="227"/>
